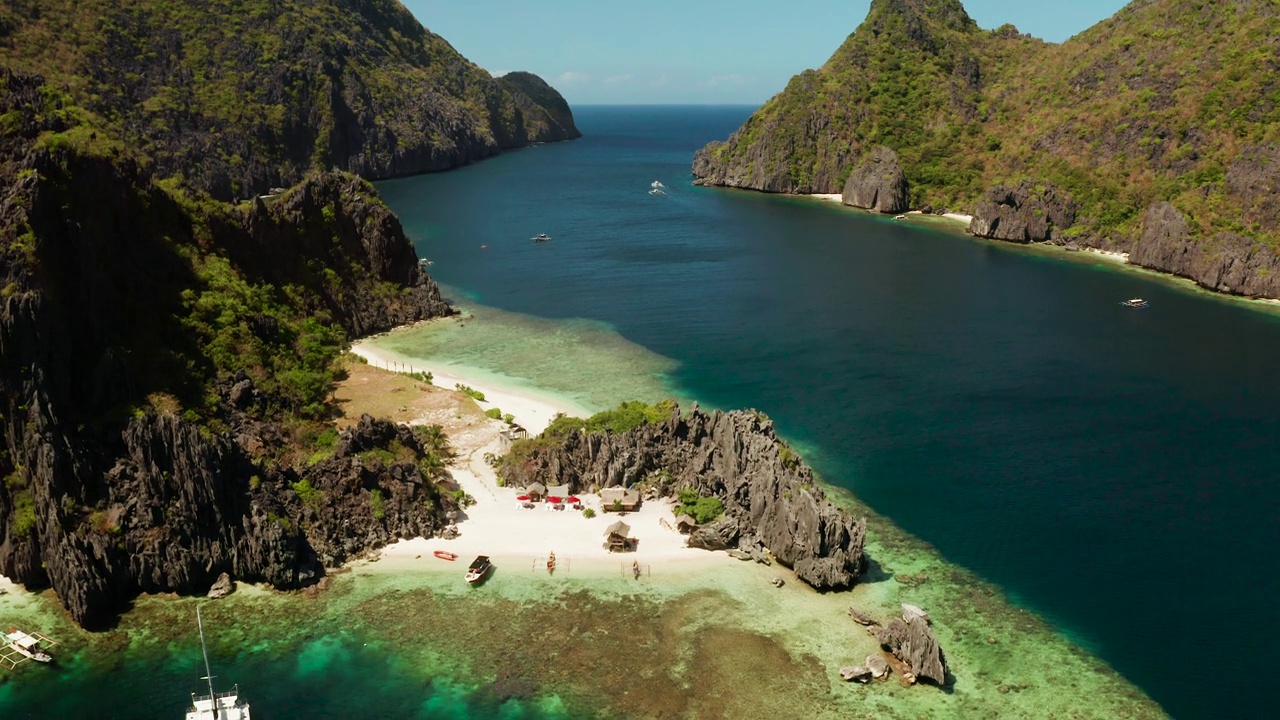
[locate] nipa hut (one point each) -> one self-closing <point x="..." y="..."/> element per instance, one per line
<point x="616" y="498"/>
<point x="686" y="524"/>
<point x="536" y="491"/>
<point x="615" y="536"/>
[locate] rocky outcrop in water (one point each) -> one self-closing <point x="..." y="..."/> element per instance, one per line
<point x="1029" y="212"/>
<point x="770" y="496"/>
<point x="1225" y="262"/>
<point x="878" y="184"/>
<point x="911" y="639"/>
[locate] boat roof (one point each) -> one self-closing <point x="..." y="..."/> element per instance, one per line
<point x="480" y="561"/>
<point x="23" y="640"/>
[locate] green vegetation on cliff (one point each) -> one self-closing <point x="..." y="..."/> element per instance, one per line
<point x="237" y="96"/>
<point x="1166" y="101"/>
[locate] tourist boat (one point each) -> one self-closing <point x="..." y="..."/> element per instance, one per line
<point x="541" y="237"/>
<point x="215" y="705"/>
<point x="899" y="217"/>
<point x="446" y="555"/>
<point x="1135" y="303"/>
<point x="26" y="645"/>
<point x="479" y="568"/>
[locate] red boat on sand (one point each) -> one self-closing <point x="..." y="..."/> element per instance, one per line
<point x="446" y="555"/>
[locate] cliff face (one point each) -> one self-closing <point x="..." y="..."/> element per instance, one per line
<point x="1165" y="102"/>
<point x="236" y="98"/>
<point x="769" y="495"/>
<point x="157" y="351"/>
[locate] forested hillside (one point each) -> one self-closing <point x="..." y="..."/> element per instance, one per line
<point x="1155" y="132"/>
<point x="238" y="96"/>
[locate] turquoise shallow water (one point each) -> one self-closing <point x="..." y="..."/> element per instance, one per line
<point x="1111" y="469"/>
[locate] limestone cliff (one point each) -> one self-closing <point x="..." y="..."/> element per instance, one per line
<point x="878" y="184"/>
<point x="164" y="365"/>
<point x="770" y="496"/>
<point x="1023" y="214"/>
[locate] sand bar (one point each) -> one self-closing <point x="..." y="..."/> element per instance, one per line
<point x="533" y="411"/>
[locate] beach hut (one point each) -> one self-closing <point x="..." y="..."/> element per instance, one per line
<point x="536" y="491"/>
<point x="686" y="524"/>
<point x="616" y="498"/>
<point x="615" y="536"/>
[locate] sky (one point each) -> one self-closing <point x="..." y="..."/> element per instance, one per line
<point x="690" y="51"/>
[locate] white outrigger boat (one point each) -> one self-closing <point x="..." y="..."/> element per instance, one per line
<point x="17" y="646"/>
<point x="215" y="705"/>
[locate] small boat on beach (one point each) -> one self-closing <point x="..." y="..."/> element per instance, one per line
<point x="215" y="705"/>
<point x="1135" y="303"/>
<point x="479" y="568"/>
<point x="17" y="646"/>
<point x="446" y="555"/>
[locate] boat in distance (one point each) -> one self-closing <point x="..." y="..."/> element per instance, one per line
<point x="541" y="237"/>
<point x="479" y="568"/>
<point x="1135" y="303"/>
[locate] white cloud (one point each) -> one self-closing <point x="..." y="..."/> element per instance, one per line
<point x="573" y="78"/>
<point x="735" y="80"/>
<point x="618" y="79"/>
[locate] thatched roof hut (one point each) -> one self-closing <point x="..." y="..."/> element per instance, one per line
<point x="613" y="498"/>
<point x="686" y="524"/>
<point x="615" y="536"/>
<point x="536" y="491"/>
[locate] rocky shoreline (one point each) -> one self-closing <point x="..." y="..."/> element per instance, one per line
<point x="770" y="497"/>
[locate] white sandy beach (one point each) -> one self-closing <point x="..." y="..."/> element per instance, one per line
<point x="1120" y="257"/>
<point x="829" y="197"/>
<point x="499" y="526"/>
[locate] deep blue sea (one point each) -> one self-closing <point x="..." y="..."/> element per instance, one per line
<point x="1114" y="470"/>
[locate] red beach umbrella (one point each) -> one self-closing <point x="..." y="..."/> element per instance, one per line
<point x="573" y="499"/>
<point x="553" y="498"/>
<point x="522" y="497"/>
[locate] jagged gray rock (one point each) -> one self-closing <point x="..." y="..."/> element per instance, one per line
<point x="770" y="498"/>
<point x="1030" y="212"/>
<point x="914" y="643"/>
<point x="1225" y="262"/>
<point x="222" y="587"/>
<point x="878" y="183"/>
<point x="878" y="666"/>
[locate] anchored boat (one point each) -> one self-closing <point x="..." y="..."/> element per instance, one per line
<point x="479" y="568"/>
<point x="1135" y="303"/>
<point x="215" y="705"/>
<point x="17" y="646"/>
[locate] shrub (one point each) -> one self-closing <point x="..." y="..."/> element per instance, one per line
<point x="470" y="392"/>
<point x="588" y="513"/>
<point x="376" y="504"/>
<point x="308" y="494"/>
<point x="494" y="413"/>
